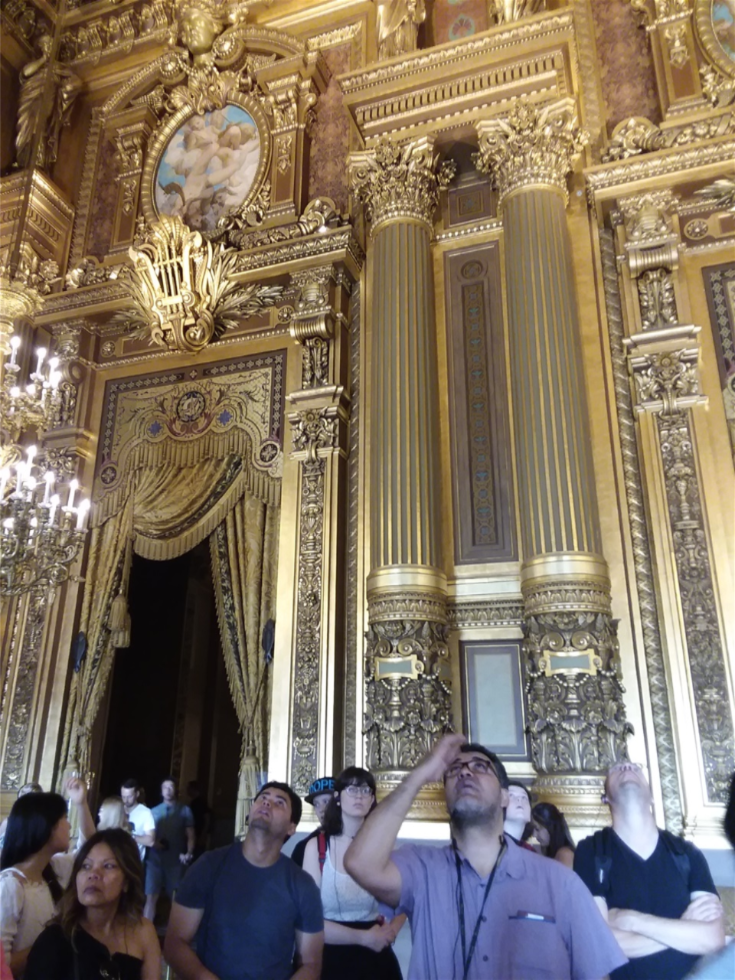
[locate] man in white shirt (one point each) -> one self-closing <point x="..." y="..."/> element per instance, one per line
<point x="139" y="816"/>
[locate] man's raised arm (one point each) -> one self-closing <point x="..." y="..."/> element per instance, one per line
<point x="368" y="858"/>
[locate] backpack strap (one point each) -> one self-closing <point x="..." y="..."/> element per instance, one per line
<point x="322" y="845"/>
<point x="603" y="860"/>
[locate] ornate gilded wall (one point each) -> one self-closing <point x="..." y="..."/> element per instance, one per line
<point x="497" y="242"/>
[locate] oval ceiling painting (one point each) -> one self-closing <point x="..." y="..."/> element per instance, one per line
<point x="723" y="22"/>
<point x="209" y="167"/>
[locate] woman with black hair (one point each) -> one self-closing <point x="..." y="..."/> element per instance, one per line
<point x="358" y="941"/>
<point x="552" y="833"/>
<point x="100" y="930"/>
<point x="34" y="866"/>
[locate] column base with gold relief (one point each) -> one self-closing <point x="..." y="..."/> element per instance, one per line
<point x="577" y="724"/>
<point x="407" y="677"/>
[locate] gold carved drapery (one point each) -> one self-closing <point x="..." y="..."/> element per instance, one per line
<point x="169" y="509"/>
<point x="244" y="549"/>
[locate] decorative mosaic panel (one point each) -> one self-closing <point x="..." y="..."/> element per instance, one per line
<point x="483" y="492"/>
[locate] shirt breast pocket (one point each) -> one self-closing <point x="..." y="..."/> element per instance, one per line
<point x="537" y="951"/>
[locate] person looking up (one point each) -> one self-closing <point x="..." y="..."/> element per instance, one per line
<point x="139" y="816"/>
<point x="100" y="930"/>
<point x="320" y="793"/>
<point x="481" y="906"/>
<point x="248" y="905"/>
<point x="517" y="822"/>
<point x="34" y="866"/>
<point x="552" y="833"/>
<point x="173" y="849"/>
<point x="654" y="889"/>
<point x="357" y="941"/>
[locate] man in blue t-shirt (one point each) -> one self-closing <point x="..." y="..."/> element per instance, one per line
<point x="653" y="888"/>
<point x="242" y="910"/>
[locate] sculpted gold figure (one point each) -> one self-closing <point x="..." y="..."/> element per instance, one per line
<point x="398" y="25"/>
<point x="43" y="96"/>
<point x="199" y="26"/>
<point x="506" y="11"/>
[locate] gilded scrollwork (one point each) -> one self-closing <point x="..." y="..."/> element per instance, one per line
<point x="408" y="691"/>
<point x="314" y="429"/>
<point x="181" y="288"/>
<point x="577" y="718"/>
<point x="395" y="181"/>
<point x="697" y="590"/>
<point x="719" y="89"/>
<point x="664" y="367"/>
<point x="530" y="145"/>
<point x="657" y="299"/>
<point x="720" y="194"/>
<point x="308" y="625"/>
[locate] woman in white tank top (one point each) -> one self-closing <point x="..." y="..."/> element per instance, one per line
<point x="358" y="941"/>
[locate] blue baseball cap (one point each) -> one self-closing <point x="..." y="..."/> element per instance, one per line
<point x="319" y="786"/>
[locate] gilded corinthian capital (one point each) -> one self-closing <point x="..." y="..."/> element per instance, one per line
<point x="530" y="146"/>
<point x="398" y="182"/>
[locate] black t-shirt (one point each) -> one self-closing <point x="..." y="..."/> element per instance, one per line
<point x="656" y="886"/>
<point x="52" y="958"/>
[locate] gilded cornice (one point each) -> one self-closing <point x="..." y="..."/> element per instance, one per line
<point x="479" y="48"/>
<point x="485" y="612"/>
<point x="530" y="146"/>
<point x="428" y="90"/>
<point x="609" y="178"/>
<point x="398" y="182"/>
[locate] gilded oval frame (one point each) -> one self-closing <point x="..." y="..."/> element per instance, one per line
<point x="161" y="141"/>
<point x="711" y="44"/>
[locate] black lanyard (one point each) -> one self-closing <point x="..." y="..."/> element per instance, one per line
<point x="467" y="957"/>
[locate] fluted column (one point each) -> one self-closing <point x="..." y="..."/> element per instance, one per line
<point x="407" y="689"/>
<point x="577" y="719"/>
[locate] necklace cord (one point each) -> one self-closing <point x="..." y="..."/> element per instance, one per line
<point x="467" y="957"/>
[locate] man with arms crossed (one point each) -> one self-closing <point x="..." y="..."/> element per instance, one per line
<point x="654" y="889"/>
<point x="481" y="908"/>
<point x="248" y="905"/>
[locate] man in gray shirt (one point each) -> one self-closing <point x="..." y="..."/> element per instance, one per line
<point x="481" y="908"/>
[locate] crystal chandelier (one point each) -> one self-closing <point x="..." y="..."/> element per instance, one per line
<point x="39" y="536"/>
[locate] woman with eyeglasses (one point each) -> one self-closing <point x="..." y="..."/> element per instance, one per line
<point x="358" y="941"/>
<point x="552" y="833"/>
<point x="100" y="931"/>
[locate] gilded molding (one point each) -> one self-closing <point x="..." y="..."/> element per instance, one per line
<point x="647" y="218"/>
<point x="407" y="605"/>
<point x="531" y="146"/>
<point x="314" y="431"/>
<point x="697" y="590"/>
<point x="334" y="38"/>
<point x="353" y="645"/>
<point x="664" y="368"/>
<point x="489" y="612"/>
<point x="707" y="35"/>
<point x="718" y="88"/>
<point x="396" y="183"/>
<point x="642" y="561"/>
<point x="676" y="160"/>
<point x="554" y="595"/>
<point x="482" y="46"/>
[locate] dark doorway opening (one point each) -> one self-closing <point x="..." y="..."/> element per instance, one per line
<point x="169" y="709"/>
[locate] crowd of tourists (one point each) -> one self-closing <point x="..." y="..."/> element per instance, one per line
<point x="510" y="897"/>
